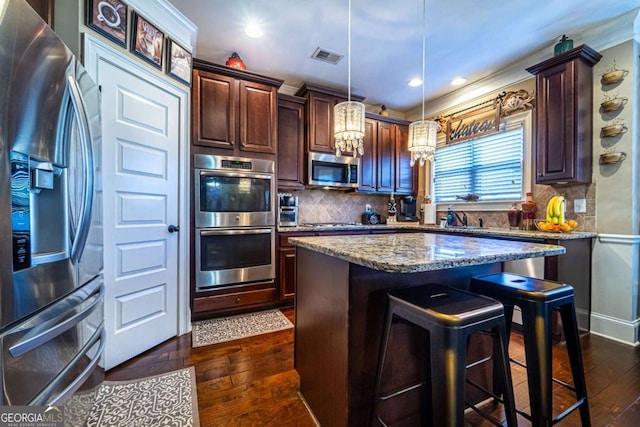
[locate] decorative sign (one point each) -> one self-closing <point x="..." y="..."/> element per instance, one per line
<point x="147" y="41"/>
<point x="479" y="122"/>
<point x="179" y="62"/>
<point x="109" y="18"/>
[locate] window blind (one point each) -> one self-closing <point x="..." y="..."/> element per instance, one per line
<point x="490" y="167"/>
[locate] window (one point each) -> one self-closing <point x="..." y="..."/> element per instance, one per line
<point x="492" y="167"/>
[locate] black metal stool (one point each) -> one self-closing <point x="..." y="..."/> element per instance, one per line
<point x="450" y="316"/>
<point x="537" y="298"/>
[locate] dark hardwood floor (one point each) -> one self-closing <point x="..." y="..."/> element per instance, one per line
<point x="251" y="382"/>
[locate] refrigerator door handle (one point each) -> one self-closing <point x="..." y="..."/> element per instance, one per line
<point x="36" y="338"/>
<point x="43" y="397"/>
<point x="84" y="221"/>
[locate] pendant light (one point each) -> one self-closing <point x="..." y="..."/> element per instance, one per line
<point x="348" y="116"/>
<point x="423" y="134"/>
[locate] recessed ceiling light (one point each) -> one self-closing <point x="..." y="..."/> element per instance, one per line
<point x="416" y="81"/>
<point x="458" y="81"/>
<point x="253" y="29"/>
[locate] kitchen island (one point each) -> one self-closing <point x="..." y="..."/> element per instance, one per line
<point x="339" y="309"/>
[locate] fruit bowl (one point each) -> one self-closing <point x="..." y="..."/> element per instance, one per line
<point x="565" y="227"/>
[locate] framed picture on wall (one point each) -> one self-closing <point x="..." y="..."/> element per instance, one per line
<point x="179" y="62"/>
<point x="109" y="18"/>
<point x="147" y="41"/>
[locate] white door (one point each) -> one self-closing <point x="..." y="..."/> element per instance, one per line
<point x="140" y="122"/>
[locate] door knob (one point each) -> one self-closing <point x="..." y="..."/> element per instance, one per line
<point x="173" y="228"/>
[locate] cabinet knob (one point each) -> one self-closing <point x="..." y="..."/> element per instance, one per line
<point x="173" y="228"/>
<point x="237" y="299"/>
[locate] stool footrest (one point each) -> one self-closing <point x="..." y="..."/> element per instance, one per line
<point x="569" y="410"/>
<point x="399" y="392"/>
<point x="493" y="420"/>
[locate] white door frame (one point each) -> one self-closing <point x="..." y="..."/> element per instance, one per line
<point x="94" y="51"/>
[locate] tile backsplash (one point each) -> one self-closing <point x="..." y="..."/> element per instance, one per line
<point x="318" y="205"/>
<point x="337" y="206"/>
<point x="541" y="195"/>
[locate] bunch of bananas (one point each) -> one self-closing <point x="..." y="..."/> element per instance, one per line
<point x="556" y="209"/>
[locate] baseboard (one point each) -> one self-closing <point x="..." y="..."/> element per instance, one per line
<point x="623" y="331"/>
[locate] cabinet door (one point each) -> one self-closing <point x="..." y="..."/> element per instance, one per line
<point x="368" y="169"/>
<point x="555" y="134"/>
<point x="215" y="105"/>
<point x="290" y="144"/>
<point x="386" y="156"/>
<point x="44" y="8"/>
<point x="321" y="123"/>
<point x="405" y="182"/>
<point x="258" y="103"/>
<point x="287" y="271"/>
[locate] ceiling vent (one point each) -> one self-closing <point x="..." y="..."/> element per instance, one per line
<point x="327" y="56"/>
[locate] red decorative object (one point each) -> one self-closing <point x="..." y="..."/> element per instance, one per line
<point x="234" y="61"/>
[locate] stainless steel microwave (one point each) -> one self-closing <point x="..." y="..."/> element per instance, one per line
<point x="327" y="170"/>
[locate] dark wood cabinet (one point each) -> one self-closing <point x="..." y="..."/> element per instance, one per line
<point x="385" y="164"/>
<point x="233" y="109"/>
<point x="290" y="142"/>
<point x="287" y="269"/>
<point x="564" y="87"/>
<point x="406" y="175"/>
<point x="368" y="165"/>
<point x="45" y="9"/>
<point x="319" y="115"/>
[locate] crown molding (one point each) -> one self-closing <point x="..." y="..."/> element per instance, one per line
<point x="169" y="20"/>
<point x="601" y="37"/>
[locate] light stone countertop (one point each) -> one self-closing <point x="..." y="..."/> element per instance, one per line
<point x="498" y="232"/>
<point x="416" y="252"/>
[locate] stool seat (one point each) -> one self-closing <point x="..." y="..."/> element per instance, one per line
<point x="537" y="299"/>
<point x="445" y="306"/>
<point x="450" y="316"/>
<point x="516" y="287"/>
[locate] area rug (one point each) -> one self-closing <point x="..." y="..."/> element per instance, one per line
<point x="214" y="331"/>
<point x="163" y="400"/>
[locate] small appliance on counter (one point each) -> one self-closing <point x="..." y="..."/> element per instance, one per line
<point x="287" y="210"/>
<point x="407" y="211"/>
<point x="370" y="217"/>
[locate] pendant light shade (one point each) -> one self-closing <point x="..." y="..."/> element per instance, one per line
<point x="423" y="134"/>
<point x="348" y="116"/>
<point x="348" y="120"/>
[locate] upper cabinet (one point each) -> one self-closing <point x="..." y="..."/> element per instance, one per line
<point x="233" y="109"/>
<point x="45" y="9"/>
<point x="319" y="115"/>
<point x="290" y="142"/>
<point x="564" y="86"/>
<point x="385" y="164"/>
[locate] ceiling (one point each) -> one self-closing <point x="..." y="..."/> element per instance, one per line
<point x="469" y="38"/>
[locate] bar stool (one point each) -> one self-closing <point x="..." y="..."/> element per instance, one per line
<point x="450" y="316"/>
<point x="537" y="298"/>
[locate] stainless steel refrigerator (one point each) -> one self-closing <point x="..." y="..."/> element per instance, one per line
<point x="51" y="283"/>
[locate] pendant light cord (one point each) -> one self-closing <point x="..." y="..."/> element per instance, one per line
<point x="349" y="58"/>
<point x="424" y="47"/>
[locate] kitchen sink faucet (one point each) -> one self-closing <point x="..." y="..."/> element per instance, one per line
<point x="462" y="220"/>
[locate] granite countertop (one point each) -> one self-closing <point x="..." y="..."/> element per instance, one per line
<point x="416" y="252"/>
<point x="498" y="232"/>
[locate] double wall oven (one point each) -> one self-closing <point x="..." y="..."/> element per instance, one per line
<point x="234" y="221"/>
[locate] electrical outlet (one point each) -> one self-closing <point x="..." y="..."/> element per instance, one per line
<point x="580" y="205"/>
<point x="367" y="207"/>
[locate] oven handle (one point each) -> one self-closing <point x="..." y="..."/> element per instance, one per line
<point x="226" y="232"/>
<point x="207" y="172"/>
